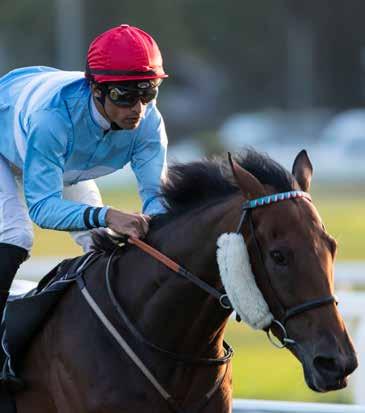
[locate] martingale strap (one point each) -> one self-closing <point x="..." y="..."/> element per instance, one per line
<point x="172" y="402"/>
<point x="183" y="358"/>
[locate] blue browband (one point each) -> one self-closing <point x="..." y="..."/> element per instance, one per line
<point x="293" y="311"/>
<point x="271" y="199"/>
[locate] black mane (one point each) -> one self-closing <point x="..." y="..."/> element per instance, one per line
<point x="194" y="184"/>
<point x="197" y="184"/>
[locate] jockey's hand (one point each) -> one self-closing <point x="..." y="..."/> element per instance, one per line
<point x="132" y="225"/>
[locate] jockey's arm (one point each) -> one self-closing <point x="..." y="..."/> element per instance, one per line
<point x="48" y="145"/>
<point x="149" y="162"/>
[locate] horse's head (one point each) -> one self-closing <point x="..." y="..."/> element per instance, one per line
<point x="292" y="257"/>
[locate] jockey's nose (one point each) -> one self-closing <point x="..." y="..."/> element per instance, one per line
<point x="138" y="107"/>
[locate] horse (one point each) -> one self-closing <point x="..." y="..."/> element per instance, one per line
<point x="174" y="327"/>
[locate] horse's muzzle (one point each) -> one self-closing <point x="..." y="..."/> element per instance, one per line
<point x="329" y="371"/>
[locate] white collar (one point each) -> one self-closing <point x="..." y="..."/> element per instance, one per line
<point x="97" y="116"/>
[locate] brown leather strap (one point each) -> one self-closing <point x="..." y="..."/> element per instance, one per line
<point x="156" y="254"/>
<point x="221" y="296"/>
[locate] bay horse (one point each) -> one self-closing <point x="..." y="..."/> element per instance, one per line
<point x="75" y="365"/>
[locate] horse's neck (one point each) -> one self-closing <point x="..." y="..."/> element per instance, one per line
<point x="179" y="314"/>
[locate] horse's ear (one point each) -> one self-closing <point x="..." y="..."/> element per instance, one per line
<point x="250" y="186"/>
<point x="303" y="170"/>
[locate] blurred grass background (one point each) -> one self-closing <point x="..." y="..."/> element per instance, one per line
<point x="260" y="370"/>
<point x="342" y="209"/>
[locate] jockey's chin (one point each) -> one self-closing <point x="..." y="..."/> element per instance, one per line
<point x="129" y="122"/>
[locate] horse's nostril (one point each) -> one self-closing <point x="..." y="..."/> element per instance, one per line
<point x="325" y="364"/>
<point x="351" y="365"/>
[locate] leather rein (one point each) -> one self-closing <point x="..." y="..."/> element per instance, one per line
<point x="286" y="313"/>
<point x="182" y="358"/>
<point x="178" y="357"/>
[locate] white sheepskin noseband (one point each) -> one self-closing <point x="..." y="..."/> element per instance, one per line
<point x="239" y="281"/>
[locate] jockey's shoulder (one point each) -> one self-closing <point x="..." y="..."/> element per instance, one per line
<point x="45" y="72"/>
<point x="43" y="80"/>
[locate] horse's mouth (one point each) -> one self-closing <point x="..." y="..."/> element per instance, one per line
<point x="321" y="384"/>
<point x="326" y="369"/>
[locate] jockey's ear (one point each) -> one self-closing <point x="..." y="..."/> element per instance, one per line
<point x="96" y="90"/>
<point x="250" y="186"/>
<point x="303" y="170"/>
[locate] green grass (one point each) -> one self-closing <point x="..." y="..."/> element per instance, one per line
<point x="58" y="243"/>
<point x="345" y="221"/>
<point x="342" y="210"/>
<point x="260" y="370"/>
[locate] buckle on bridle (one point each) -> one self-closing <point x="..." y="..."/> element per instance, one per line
<point x="285" y="340"/>
<point x="224" y="302"/>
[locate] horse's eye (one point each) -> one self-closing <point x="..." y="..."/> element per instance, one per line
<point x="278" y="257"/>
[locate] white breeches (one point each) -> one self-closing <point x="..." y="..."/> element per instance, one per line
<point x="15" y="225"/>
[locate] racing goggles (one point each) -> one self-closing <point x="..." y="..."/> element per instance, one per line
<point x="128" y="95"/>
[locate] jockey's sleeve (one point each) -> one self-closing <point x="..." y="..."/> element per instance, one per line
<point x="149" y="162"/>
<point x="49" y="141"/>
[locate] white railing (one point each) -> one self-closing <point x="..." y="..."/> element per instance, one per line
<point x="268" y="406"/>
<point x="348" y="273"/>
<point x="352" y="306"/>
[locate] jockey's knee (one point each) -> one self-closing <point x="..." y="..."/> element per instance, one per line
<point x="15" y="225"/>
<point x="20" y="237"/>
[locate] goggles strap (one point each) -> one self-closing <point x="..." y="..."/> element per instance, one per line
<point x="104" y="90"/>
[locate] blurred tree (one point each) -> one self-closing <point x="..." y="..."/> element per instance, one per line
<point x="339" y="35"/>
<point x="27" y="31"/>
<point x="69" y="34"/>
<point x="222" y="57"/>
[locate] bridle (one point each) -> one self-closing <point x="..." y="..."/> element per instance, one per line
<point x="285" y="313"/>
<point x="280" y="322"/>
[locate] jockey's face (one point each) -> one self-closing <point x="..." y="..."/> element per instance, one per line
<point x="124" y="117"/>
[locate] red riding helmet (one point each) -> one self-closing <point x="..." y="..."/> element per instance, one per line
<point x="124" y="53"/>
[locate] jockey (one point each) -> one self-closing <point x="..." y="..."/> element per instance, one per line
<point x="62" y="129"/>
